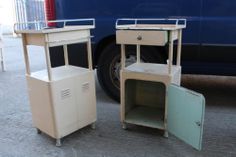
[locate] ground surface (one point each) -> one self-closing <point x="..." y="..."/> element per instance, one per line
<point x="18" y="137"/>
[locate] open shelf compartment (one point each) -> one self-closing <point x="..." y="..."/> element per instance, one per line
<point x="145" y="103"/>
<point x="154" y="69"/>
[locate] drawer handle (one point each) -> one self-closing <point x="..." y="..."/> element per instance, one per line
<point x="139" y="37"/>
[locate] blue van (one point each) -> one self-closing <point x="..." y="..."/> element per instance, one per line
<point x="209" y="41"/>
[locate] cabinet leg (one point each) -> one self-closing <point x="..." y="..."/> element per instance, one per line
<point x="38" y="131"/>
<point x="1" y="59"/>
<point x="93" y="125"/>
<point x="166" y="134"/>
<point x="124" y="126"/>
<point x="2" y="66"/>
<point x="58" y="142"/>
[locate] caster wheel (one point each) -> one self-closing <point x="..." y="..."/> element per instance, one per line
<point x="166" y="134"/>
<point x="39" y="131"/>
<point x="93" y="125"/>
<point x="124" y="126"/>
<point x="58" y="142"/>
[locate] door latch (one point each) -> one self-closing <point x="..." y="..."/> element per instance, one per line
<point x="198" y="123"/>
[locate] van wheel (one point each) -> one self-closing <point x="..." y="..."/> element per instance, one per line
<point x="109" y="64"/>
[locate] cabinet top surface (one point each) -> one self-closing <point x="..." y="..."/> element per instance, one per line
<point x="41" y="27"/>
<point x="150" y="27"/>
<point x="164" y="24"/>
<point x="54" y="30"/>
<point x="60" y="73"/>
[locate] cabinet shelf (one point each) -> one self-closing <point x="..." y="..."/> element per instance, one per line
<point x="154" y="69"/>
<point x="60" y="73"/>
<point x="153" y="72"/>
<point x="146" y="116"/>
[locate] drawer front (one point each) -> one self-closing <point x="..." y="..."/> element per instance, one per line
<point x="68" y="36"/>
<point x="141" y="37"/>
<point x="35" y="39"/>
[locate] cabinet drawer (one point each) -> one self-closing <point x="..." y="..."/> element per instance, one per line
<point x="141" y="37"/>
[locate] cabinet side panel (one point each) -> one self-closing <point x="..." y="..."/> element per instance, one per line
<point x="41" y="107"/>
<point x="176" y="77"/>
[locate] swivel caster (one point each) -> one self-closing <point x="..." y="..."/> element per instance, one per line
<point x="38" y="131"/>
<point x="58" y="142"/>
<point x="93" y="126"/>
<point x="166" y="134"/>
<point x="124" y="126"/>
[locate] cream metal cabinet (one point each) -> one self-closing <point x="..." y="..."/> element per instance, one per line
<point x="150" y="93"/>
<point x="1" y="49"/>
<point x="62" y="99"/>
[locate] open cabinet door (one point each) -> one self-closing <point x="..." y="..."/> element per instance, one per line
<point x="185" y="115"/>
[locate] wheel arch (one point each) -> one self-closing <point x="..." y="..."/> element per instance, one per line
<point x="101" y="45"/>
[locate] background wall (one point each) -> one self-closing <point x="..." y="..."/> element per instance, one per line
<point x="7" y="16"/>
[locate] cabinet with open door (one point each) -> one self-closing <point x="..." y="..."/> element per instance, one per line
<point x="151" y="94"/>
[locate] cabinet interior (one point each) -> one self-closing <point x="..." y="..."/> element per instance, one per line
<point x="145" y="103"/>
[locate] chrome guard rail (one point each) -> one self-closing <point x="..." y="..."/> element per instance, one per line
<point x="37" y="23"/>
<point x="135" y="21"/>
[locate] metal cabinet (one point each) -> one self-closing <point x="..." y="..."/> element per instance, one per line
<point x="63" y="98"/>
<point x="150" y="93"/>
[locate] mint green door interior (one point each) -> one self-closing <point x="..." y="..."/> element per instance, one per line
<point x="185" y="115"/>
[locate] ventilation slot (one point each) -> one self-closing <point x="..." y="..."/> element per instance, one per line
<point x="85" y="87"/>
<point x="65" y="94"/>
